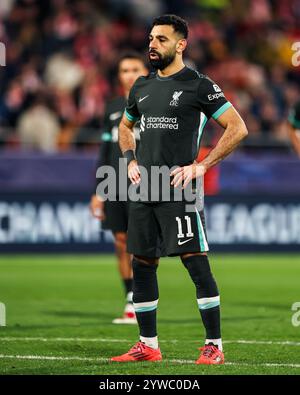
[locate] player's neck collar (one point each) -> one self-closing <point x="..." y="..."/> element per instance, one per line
<point x="172" y="76"/>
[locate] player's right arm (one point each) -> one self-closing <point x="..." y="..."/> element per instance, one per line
<point x="128" y="146"/>
<point x="97" y="207"/>
<point x="126" y="136"/>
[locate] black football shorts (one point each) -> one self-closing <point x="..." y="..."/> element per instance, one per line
<point x="116" y="216"/>
<point x="165" y="228"/>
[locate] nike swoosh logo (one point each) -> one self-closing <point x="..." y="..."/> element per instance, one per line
<point x="180" y="242"/>
<point x="143" y="98"/>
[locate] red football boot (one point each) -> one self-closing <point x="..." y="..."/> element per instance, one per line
<point x="139" y="352"/>
<point x="210" y="355"/>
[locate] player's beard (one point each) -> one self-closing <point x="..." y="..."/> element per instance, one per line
<point x="163" y="61"/>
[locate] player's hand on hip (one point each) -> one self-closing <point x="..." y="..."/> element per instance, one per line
<point x="134" y="173"/>
<point x="183" y="175"/>
<point x="97" y="207"/>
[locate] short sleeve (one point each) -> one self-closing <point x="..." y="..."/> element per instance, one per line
<point x="131" y="110"/>
<point x="211" y="98"/>
<point x="294" y="116"/>
<point x="107" y="126"/>
<point x="103" y="153"/>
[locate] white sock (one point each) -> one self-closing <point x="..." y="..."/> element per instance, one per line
<point x="150" y="341"/>
<point x="129" y="308"/>
<point x="216" y="342"/>
<point x="129" y="297"/>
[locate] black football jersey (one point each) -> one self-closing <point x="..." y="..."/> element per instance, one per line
<point x="173" y="112"/>
<point x="294" y="116"/>
<point x="110" y="152"/>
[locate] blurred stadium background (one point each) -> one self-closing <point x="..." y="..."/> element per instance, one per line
<point x="60" y="70"/>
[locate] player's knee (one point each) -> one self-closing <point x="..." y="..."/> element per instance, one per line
<point x="200" y="272"/>
<point x="146" y="260"/>
<point x="187" y="255"/>
<point x="144" y="281"/>
<point x="120" y="242"/>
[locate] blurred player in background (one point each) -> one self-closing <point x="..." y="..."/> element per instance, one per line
<point x="294" y="127"/>
<point x="174" y="104"/>
<point x="114" y="214"/>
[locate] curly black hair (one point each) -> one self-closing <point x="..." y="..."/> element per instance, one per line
<point x="180" y="25"/>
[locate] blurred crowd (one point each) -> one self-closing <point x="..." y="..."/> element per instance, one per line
<point x="61" y="62"/>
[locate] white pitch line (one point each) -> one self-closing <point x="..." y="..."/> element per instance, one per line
<point x="65" y="339"/>
<point x="264" y="342"/>
<point x="107" y="340"/>
<point x="53" y="358"/>
<point x="176" y="361"/>
<point x="59" y="263"/>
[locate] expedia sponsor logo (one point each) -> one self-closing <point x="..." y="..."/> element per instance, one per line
<point x="161" y="123"/>
<point x="217" y="88"/>
<point x="215" y="96"/>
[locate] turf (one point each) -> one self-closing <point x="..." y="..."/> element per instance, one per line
<point x="68" y="302"/>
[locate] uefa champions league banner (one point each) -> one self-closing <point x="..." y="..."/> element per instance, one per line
<point x="61" y="222"/>
<point x="253" y="223"/>
<point x="44" y="222"/>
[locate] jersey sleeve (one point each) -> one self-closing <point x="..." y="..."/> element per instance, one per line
<point x="131" y="110"/>
<point x="107" y="126"/>
<point x="105" y="143"/>
<point x="294" y="116"/>
<point x="211" y="98"/>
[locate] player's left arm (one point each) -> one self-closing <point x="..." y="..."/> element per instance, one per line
<point x="235" y="132"/>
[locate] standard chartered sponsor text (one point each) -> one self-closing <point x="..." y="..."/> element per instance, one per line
<point x="162" y="123"/>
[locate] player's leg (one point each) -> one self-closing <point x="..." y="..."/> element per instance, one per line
<point x="124" y="263"/>
<point x="183" y="228"/>
<point x="125" y="270"/>
<point x="143" y="238"/>
<point x="116" y="219"/>
<point x="208" y="300"/>
<point x="145" y="298"/>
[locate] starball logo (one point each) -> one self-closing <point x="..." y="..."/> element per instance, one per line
<point x="2" y="55"/>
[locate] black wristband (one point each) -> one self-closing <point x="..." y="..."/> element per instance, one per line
<point x="129" y="155"/>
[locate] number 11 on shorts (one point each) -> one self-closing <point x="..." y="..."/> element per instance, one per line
<point x="180" y="233"/>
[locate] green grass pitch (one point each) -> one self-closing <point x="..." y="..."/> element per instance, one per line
<point x="59" y="311"/>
